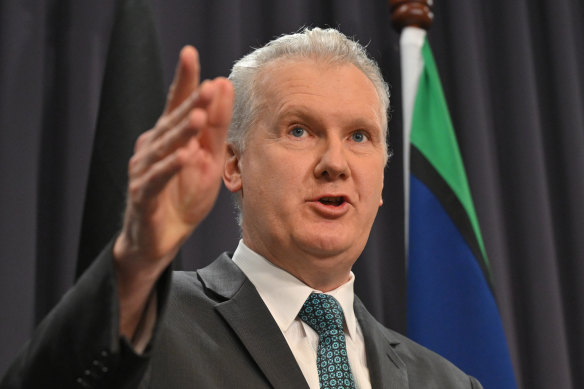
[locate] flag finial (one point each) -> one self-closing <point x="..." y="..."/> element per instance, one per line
<point x="411" y="13"/>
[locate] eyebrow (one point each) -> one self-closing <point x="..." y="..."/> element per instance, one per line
<point x="305" y="113"/>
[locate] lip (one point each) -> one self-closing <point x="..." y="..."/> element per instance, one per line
<point x="330" y="211"/>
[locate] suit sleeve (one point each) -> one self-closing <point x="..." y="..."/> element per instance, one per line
<point x="78" y="344"/>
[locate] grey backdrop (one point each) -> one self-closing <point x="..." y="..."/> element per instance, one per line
<point x="512" y="73"/>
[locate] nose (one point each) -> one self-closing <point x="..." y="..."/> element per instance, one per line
<point x="332" y="162"/>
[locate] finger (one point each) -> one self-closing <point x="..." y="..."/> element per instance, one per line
<point x="170" y="142"/>
<point x="147" y="186"/>
<point x="218" y="115"/>
<point x="208" y="109"/>
<point x="200" y="98"/>
<point x="170" y="120"/>
<point x="174" y="128"/>
<point x="186" y="78"/>
<point x="178" y="137"/>
<point x="221" y="105"/>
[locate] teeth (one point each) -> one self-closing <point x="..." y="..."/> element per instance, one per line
<point x="331" y="200"/>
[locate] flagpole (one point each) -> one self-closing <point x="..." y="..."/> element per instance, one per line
<point x="418" y="15"/>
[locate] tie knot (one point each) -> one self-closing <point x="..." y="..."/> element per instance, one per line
<point x="322" y="313"/>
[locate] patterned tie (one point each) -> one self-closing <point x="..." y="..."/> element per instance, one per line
<point x="324" y="315"/>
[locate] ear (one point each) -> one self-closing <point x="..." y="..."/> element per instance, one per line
<point x="231" y="171"/>
<point x="381" y="194"/>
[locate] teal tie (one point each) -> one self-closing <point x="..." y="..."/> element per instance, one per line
<point x="324" y="315"/>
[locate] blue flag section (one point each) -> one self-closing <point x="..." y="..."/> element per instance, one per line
<point x="451" y="309"/>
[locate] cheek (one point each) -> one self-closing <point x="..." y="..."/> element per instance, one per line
<point x="273" y="184"/>
<point x="371" y="188"/>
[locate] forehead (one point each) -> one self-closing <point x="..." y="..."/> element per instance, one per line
<point x="339" y="89"/>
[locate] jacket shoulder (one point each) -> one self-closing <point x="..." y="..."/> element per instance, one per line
<point x="424" y="368"/>
<point x="428" y="369"/>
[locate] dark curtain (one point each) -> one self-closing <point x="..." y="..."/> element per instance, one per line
<point x="512" y="74"/>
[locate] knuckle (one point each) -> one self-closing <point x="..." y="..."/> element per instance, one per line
<point x="171" y="90"/>
<point x="158" y="150"/>
<point x="193" y="119"/>
<point x="162" y="124"/>
<point x="141" y="140"/>
<point x="133" y="164"/>
<point x="135" y="190"/>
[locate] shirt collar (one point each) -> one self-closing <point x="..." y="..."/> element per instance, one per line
<point x="285" y="294"/>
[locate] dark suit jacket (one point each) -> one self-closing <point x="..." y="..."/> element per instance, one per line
<point x="214" y="331"/>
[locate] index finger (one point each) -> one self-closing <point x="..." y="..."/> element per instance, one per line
<point x="186" y="78"/>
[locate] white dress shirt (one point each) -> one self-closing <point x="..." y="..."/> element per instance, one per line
<point x="284" y="295"/>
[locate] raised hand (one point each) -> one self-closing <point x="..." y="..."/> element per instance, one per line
<point x="174" y="179"/>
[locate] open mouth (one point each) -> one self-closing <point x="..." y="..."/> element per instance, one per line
<point x="332" y="201"/>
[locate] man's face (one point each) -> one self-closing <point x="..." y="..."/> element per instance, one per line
<point x="312" y="172"/>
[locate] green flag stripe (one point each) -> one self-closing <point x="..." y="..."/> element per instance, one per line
<point x="433" y="134"/>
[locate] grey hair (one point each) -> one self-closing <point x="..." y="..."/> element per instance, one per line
<point x="319" y="44"/>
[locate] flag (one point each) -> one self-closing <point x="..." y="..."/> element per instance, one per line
<point x="132" y="97"/>
<point x="451" y="308"/>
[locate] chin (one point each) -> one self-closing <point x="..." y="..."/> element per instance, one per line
<point x="328" y="245"/>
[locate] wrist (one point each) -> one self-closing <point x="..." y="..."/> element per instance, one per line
<point x="135" y="264"/>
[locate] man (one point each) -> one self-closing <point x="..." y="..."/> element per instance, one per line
<point x="305" y="156"/>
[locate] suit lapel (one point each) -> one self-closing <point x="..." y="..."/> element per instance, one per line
<point x="386" y="369"/>
<point x="248" y="316"/>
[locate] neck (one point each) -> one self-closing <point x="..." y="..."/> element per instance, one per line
<point x="323" y="273"/>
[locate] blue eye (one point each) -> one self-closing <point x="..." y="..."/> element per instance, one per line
<point x="297" y="132"/>
<point x="359" y="136"/>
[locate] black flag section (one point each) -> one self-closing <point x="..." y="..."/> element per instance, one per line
<point x="132" y="98"/>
